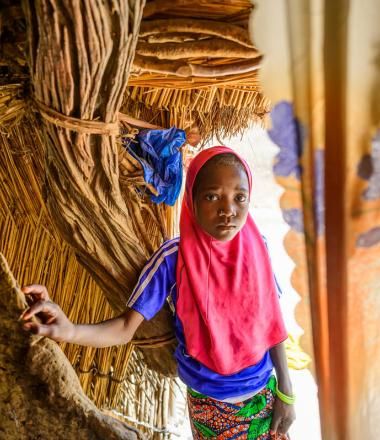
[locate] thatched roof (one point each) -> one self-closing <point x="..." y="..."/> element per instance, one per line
<point x="207" y="68"/>
<point x="195" y="66"/>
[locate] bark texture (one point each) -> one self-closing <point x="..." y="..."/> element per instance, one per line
<point x="40" y="393"/>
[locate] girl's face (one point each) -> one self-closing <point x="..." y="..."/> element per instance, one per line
<point x="221" y="200"/>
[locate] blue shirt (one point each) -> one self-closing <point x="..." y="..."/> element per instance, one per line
<point x="157" y="284"/>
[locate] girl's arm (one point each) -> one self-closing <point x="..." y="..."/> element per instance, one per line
<point x="280" y="363"/>
<point x="55" y="324"/>
<point x="115" y="331"/>
<point x="283" y="413"/>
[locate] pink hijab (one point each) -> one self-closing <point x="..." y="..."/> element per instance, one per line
<point x="227" y="300"/>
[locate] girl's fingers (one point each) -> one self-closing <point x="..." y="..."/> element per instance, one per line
<point x="33" y="288"/>
<point x="36" y="289"/>
<point x="274" y="425"/>
<point x="38" y="307"/>
<point x="31" y="327"/>
<point x="284" y="426"/>
<point x="38" y="329"/>
<point x="50" y="320"/>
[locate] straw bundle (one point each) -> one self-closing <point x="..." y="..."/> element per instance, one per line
<point x="235" y="10"/>
<point x="12" y="104"/>
<point x="197" y="69"/>
<point x="150" y="412"/>
<point x="217" y="110"/>
<point x="79" y="108"/>
<point x="223" y="30"/>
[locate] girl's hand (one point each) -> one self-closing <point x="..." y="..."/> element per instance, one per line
<point x="283" y="416"/>
<point x="53" y="322"/>
<point x="35" y="292"/>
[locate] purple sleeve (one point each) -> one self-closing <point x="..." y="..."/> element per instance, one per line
<point x="156" y="280"/>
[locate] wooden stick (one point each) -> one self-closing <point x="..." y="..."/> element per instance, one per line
<point x="183" y="69"/>
<point x="137" y="122"/>
<point x="225" y="70"/>
<point x="209" y="27"/>
<point x="162" y="6"/>
<point x="213" y="48"/>
<point x="173" y="37"/>
<point x="151" y="64"/>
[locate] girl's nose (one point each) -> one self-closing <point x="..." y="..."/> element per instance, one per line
<point x="227" y="211"/>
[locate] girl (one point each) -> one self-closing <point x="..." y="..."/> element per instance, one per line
<point x="218" y="279"/>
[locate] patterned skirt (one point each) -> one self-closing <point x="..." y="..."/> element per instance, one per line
<point x="251" y="419"/>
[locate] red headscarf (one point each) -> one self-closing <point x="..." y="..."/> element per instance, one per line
<point x="227" y="300"/>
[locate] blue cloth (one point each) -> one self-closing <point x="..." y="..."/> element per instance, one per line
<point x="158" y="152"/>
<point x="156" y="284"/>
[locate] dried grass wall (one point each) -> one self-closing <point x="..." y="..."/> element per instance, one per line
<point x="114" y="378"/>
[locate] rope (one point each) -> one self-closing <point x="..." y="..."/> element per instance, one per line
<point x="138" y="122"/>
<point x="75" y="124"/>
<point x="155" y="342"/>
<point x="146" y="425"/>
<point x="87" y="126"/>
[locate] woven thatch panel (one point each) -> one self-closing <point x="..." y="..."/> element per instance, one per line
<point x="36" y="253"/>
<point x="195" y="65"/>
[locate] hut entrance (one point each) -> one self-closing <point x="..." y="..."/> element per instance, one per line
<point x="79" y="80"/>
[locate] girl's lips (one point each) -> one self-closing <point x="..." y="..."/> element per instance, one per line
<point x="226" y="227"/>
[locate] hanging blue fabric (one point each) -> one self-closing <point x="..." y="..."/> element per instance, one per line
<point x="158" y="152"/>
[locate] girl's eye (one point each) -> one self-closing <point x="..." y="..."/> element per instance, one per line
<point x="241" y="198"/>
<point x="211" y="197"/>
